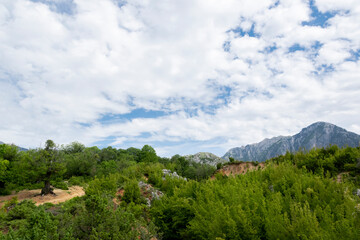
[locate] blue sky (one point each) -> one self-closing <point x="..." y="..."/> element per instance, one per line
<point x="183" y="76"/>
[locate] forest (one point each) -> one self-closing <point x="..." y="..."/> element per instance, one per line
<point x="135" y="194"/>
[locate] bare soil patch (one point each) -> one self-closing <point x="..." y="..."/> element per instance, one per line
<point x="240" y="168"/>
<point x="60" y="196"/>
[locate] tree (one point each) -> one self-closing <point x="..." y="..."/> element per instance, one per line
<point x="74" y="147"/>
<point x="109" y="153"/>
<point x="182" y="165"/>
<point x="49" y="163"/>
<point x="4" y="164"/>
<point x="135" y="153"/>
<point x="148" y="154"/>
<point x="8" y="155"/>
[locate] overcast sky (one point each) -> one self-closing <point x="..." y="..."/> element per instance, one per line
<point x="183" y="76"/>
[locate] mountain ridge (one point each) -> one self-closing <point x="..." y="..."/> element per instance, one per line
<point x="318" y="134"/>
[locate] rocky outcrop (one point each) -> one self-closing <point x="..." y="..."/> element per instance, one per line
<point x="149" y="192"/>
<point x="320" y="134"/>
<point x="205" y="158"/>
<point x="167" y="172"/>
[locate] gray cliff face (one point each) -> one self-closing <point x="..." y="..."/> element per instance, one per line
<point x="320" y="134"/>
<point x="205" y="158"/>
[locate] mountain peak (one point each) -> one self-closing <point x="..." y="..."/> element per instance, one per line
<point x="320" y="125"/>
<point x="318" y="134"/>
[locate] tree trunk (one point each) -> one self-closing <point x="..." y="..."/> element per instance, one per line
<point x="47" y="188"/>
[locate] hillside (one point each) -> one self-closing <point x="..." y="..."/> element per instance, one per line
<point x="319" y="134"/>
<point x="144" y="196"/>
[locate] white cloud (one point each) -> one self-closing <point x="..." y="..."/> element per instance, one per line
<point x="333" y="5"/>
<point x="62" y="72"/>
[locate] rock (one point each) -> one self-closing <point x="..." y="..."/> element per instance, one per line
<point x="205" y="158"/>
<point x="149" y="193"/>
<point x="167" y="172"/>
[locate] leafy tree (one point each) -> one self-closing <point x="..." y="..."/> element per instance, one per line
<point x="74" y="147"/>
<point x="109" y="153"/>
<point x="135" y="153"/>
<point x="81" y="163"/>
<point x="148" y="154"/>
<point x="49" y="164"/>
<point x="182" y="164"/>
<point x="4" y="164"/>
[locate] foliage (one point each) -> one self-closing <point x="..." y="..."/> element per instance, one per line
<point x="132" y="193"/>
<point x="74" y="147"/>
<point x="280" y="202"/>
<point x="105" y="186"/>
<point x="48" y="164"/>
<point x="148" y="154"/>
<point x="331" y="160"/>
<point x="294" y="197"/>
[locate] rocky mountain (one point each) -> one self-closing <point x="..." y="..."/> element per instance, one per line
<point x="205" y="157"/>
<point x="319" y="134"/>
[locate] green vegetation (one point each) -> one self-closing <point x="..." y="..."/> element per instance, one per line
<point x="328" y="161"/>
<point x="296" y="196"/>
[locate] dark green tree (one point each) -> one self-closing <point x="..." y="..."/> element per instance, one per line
<point x="148" y="154"/>
<point x="74" y="147"/>
<point x="49" y="163"/>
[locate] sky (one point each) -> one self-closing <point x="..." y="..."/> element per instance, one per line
<point x="182" y="76"/>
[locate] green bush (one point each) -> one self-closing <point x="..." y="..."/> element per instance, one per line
<point x="132" y="193"/>
<point x="60" y="184"/>
<point x="105" y="186"/>
<point x="76" y="180"/>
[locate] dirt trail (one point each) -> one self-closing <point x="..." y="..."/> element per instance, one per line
<point x="61" y="196"/>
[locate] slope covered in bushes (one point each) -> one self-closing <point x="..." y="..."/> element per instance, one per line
<point x="295" y="196"/>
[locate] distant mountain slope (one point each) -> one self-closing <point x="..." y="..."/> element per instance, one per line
<point x="319" y="134"/>
<point x="20" y="148"/>
<point x="205" y="157"/>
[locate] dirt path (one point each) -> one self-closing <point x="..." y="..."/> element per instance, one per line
<point x="61" y="195"/>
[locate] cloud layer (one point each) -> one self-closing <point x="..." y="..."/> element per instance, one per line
<point x="183" y="76"/>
